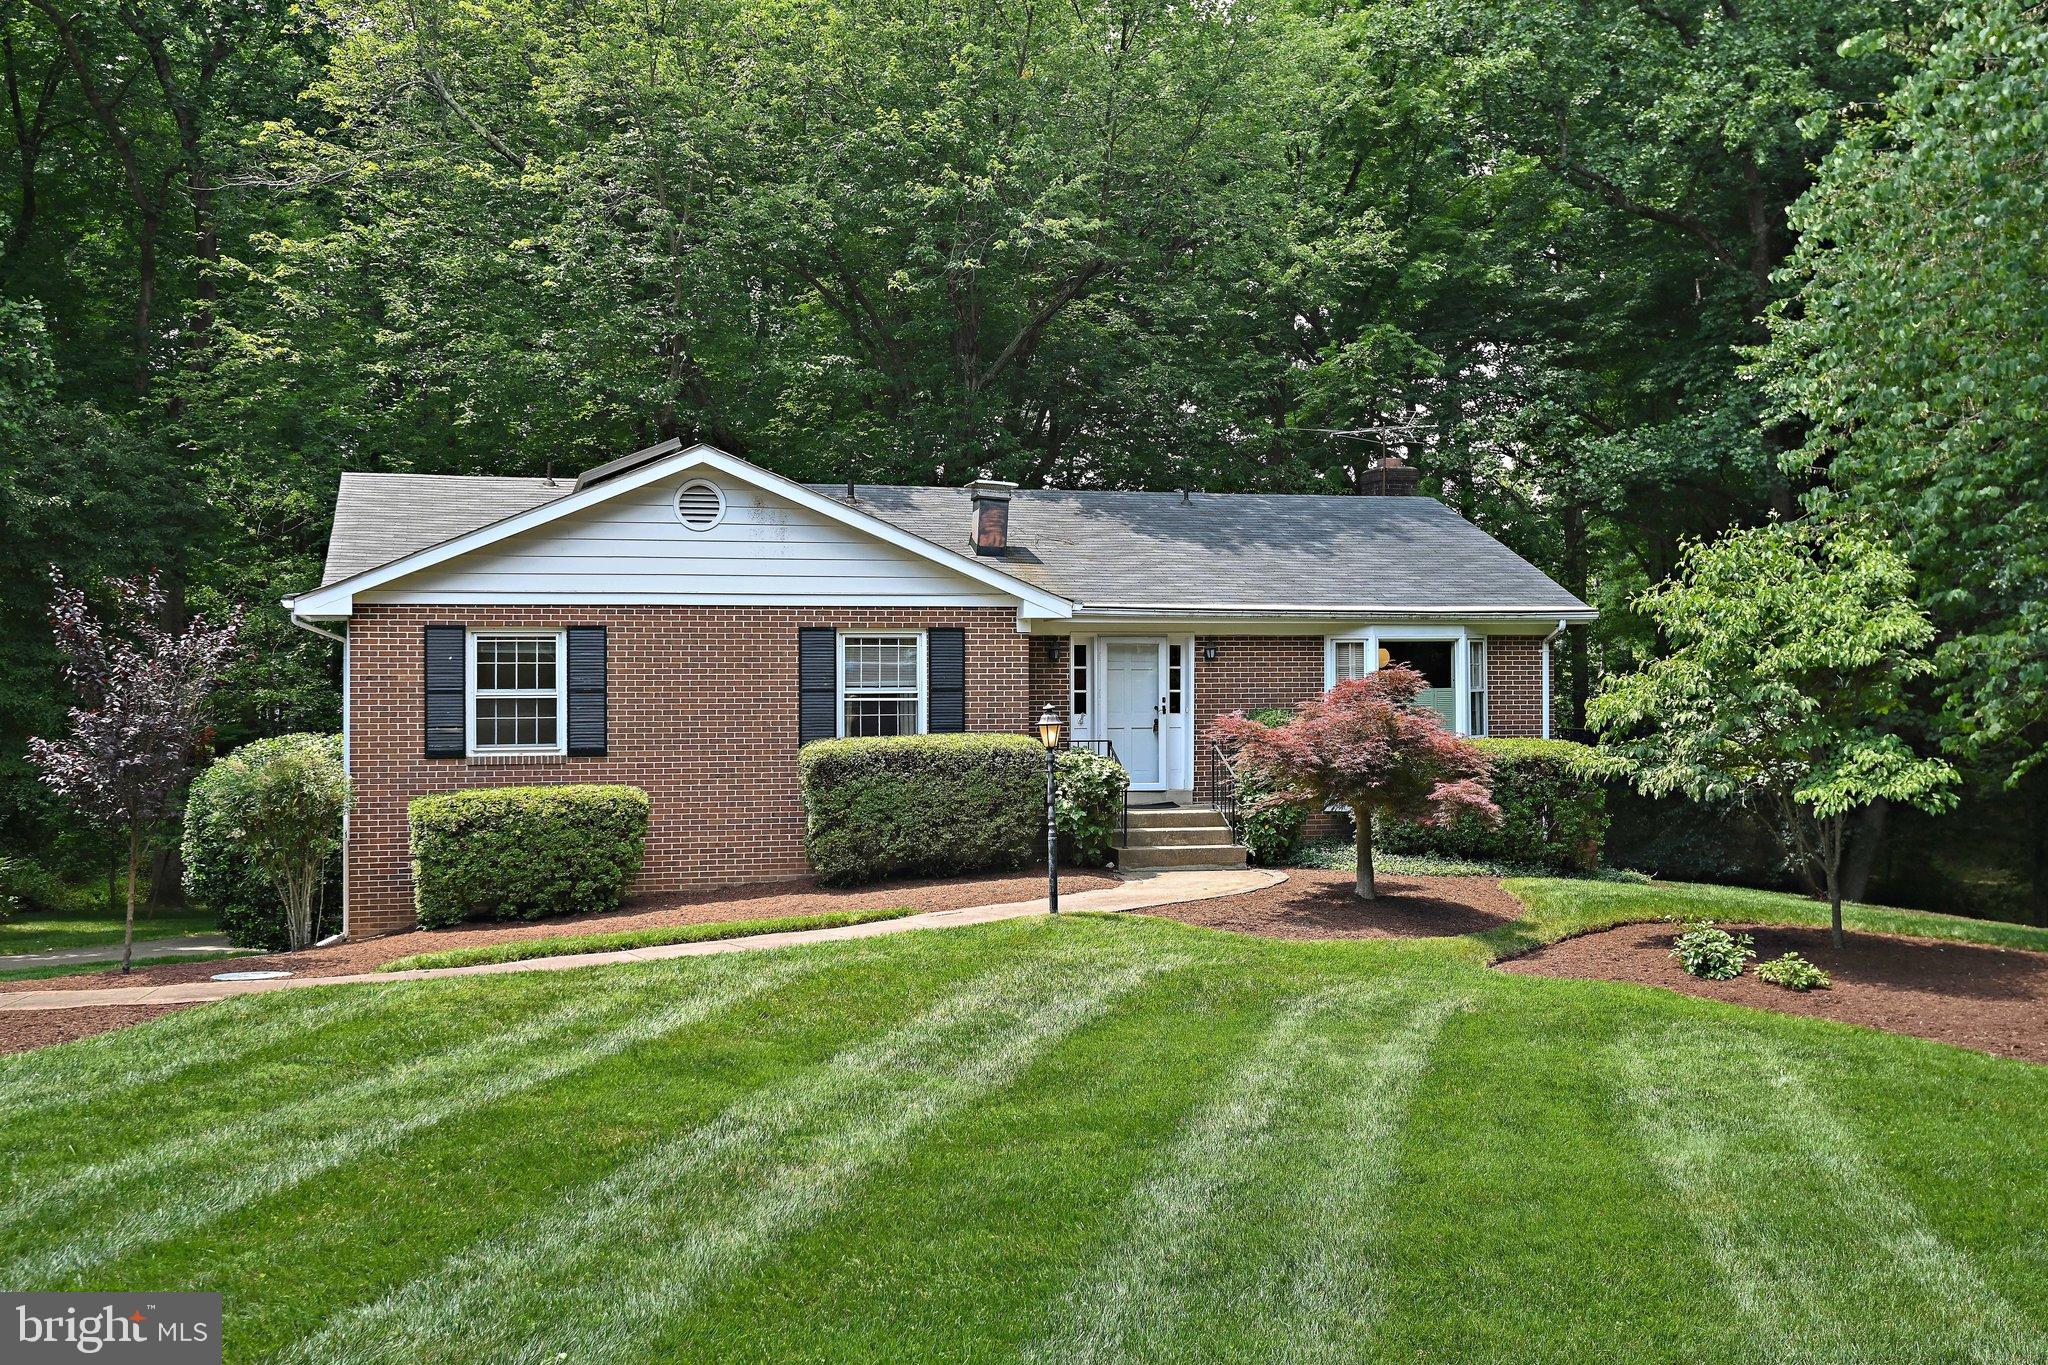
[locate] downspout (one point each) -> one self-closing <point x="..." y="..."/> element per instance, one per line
<point x="341" y="640"/>
<point x="1549" y="640"/>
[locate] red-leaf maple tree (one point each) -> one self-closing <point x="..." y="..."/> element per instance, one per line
<point x="1365" y="744"/>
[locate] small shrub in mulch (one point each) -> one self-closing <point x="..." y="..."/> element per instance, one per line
<point x="1794" y="973"/>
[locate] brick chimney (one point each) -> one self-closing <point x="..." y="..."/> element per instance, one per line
<point x="991" y="515"/>
<point x="1389" y="477"/>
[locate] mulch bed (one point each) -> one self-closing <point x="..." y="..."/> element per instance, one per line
<point x="763" y="901"/>
<point x="40" y="1028"/>
<point x="1313" y="903"/>
<point x="1992" y="999"/>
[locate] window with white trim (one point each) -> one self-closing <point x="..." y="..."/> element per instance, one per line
<point x="1080" y="700"/>
<point x="516" y="697"/>
<point x="1175" y="673"/>
<point x="1349" y="660"/>
<point x="881" y="685"/>
<point x="1475" y="671"/>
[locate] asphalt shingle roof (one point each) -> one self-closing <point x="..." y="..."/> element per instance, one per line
<point x="1099" y="549"/>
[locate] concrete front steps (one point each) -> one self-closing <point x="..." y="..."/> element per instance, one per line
<point x="1177" y="837"/>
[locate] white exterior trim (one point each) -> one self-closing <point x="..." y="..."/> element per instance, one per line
<point x="1460" y="638"/>
<point x="470" y="748"/>
<point x="839" y="674"/>
<point x="336" y="600"/>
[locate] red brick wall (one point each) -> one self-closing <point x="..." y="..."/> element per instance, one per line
<point x="1250" y="672"/>
<point x="703" y="716"/>
<point x="1514" y="686"/>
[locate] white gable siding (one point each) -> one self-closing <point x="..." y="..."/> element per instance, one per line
<point x="766" y="552"/>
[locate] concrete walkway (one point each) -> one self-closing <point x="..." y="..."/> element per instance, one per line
<point x="1136" y="893"/>
<point x="111" y="952"/>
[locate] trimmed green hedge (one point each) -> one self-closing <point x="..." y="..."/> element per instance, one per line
<point x="524" y="852"/>
<point x="921" y="805"/>
<point x="1553" y="805"/>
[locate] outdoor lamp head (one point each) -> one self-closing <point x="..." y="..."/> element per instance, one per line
<point x="1049" y="727"/>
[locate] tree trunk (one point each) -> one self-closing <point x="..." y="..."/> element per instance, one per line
<point x="128" y="928"/>
<point x="1833" y="851"/>
<point x="1365" y="888"/>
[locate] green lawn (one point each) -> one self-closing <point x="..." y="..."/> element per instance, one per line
<point x="43" y="933"/>
<point x="569" y="945"/>
<point x="1087" y="1139"/>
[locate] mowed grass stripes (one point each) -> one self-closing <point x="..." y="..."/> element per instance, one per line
<point x="1095" y="1139"/>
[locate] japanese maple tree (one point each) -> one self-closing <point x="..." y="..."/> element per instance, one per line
<point x="1368" y="745"/>
<point x="139" y="728"/>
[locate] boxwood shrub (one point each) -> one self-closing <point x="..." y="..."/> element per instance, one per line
<point x="524" y="852"/>
<point x="921" y="805"/>
<point x="1553" y="805"/>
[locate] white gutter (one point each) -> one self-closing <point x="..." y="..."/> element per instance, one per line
<point x="1547" y="640"/>
<point x="1326" y="611"/>
<point x="303" y="624"/>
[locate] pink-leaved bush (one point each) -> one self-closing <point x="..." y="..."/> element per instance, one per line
<point x="1367" y="745"/>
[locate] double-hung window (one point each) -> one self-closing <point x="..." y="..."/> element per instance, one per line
<point x="515" y="692"/>
<point x="881" y="685"/>
<point x="1349" y="660"/>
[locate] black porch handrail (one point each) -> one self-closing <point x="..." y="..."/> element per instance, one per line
<point x="1223" y="789"/>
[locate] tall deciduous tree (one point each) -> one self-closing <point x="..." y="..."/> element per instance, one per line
<point x="1913" y="349"/>
<point x="1791" y="650"/>
<point x="1367" y="745"/>
<point x="140" y="726"/>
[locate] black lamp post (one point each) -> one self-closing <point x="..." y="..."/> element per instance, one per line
<point x="1049" y="736"/>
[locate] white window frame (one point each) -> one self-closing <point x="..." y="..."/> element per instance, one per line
<point x="1459" y="636"/>
<point x="1477" y="724"/>
<point x="839" y="665"/>
<point x="471" y="695"/>
<point x="1080" y="684"/>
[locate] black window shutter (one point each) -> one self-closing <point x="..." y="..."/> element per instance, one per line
<point x="817" y="683"/>
<point x="586" y="692"/>
<point x="945" y="680"/>
<point x="446" y="675"/>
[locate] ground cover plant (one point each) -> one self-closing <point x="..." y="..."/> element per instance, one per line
<point x="525" y="949"/>
<point x="1086" y="1139"/>
<point x="1794" y="973"/>
<point x="1709" y="952"/>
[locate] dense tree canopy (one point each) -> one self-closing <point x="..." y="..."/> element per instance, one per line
<point x="1526" y="243"/>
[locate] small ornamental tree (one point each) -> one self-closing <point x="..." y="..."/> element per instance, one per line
<point x="1790" y="652"/>
<point x="1367" y="745"/>
<point x="140" y="727"/>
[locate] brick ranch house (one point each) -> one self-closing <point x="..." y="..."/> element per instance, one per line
<point x="682" y="620"/>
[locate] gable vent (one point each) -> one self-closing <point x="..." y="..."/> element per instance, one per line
<point x="700" y="505"/>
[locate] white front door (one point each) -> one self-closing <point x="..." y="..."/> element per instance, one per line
<point x="1133" y="700"/>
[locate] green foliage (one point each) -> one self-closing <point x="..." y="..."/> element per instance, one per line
<point x="1911" y="358"/>
<point x="231" y="816"/>
<point x="569" y="945"/>
<point x="921" y="805"/>
<point x="1791" y="649"/>
<point x="1794" y="973"/>
<point x="1270" y="831"/>
<point x="27" y="887"/>
<point x="1089" y="804"/>
<point x="525" y="852"/>
<point x="1553" y="806"/>
<point x="1708" y="951"/>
